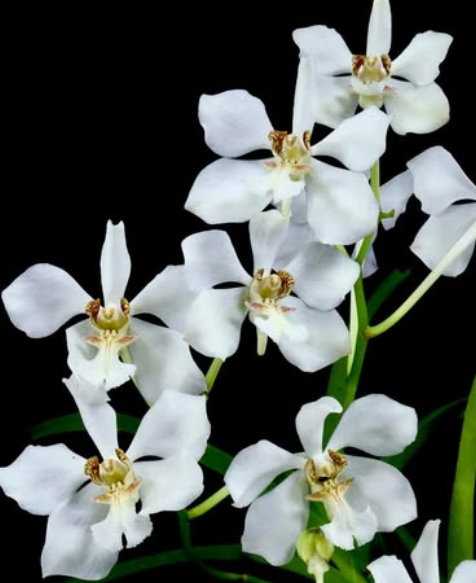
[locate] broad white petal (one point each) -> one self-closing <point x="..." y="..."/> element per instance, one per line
<point x="419" y="62"/>
<point x="323" y="275"/>
<point x="176" y="422"/>
<point x="439" y="180"/>
<point x="394" y="196"/>
<point x="379" y="35"/>
<point x="170" y="484"/>
<point x="42" y="478"/>
<point x="115" y="264"/>
<point x="229" y="191"/>
<point x="440" y="233"/>
<point x="389" y="569"/>
<point x="327" y="339"/>
<point x="210" y="259"/>
<point x="163" y="361"/>
<point x="465" y="572"/>
<point x="357" y="142"/>
<point x="417" y="110"/>
<point x="122" y="520"/>
<point x="168" y="297"/>
<point x="267" y="233"/>
<point x="310" y="423"/>
<point x="275" y="521"/>
<point x="255" y="467"/>
<point x="330" y="54"/>
<point x="383" y="488"/>
<point x="341" y="205"/>
<point x="334" y="100"/>
<point x="303" y="110"/>
<point x="425" y="554"/>
<point x="98" y="416"/>
<point x="377" y="425"/>
<point x="348" y="524"/>
<point x="276" y="325"/>
<point x="214" y="322"/>
<point x="235" y="123"/>
<point x="42" y="299"/>
<point x="98" y="365"/>
<point x="70" y="549"/>
<point x="297" y="237"/>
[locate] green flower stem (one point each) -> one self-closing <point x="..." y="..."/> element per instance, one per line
<point x="212" y="373"/>
<point x="459" y="247"/>
<point x="461" y="524"/>
<point x="208" y="504"/>
<point x="375" y="179"/>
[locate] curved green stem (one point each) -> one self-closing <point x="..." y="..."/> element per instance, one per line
<point x="208" y="504"/>
<point x="461" y="524"/>
<point x="459" y="247"/>
<point x="212" y="373"/>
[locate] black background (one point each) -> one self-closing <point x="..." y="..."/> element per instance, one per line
<point x="100" y="122"/>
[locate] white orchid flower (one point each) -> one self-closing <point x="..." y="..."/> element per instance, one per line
<point x="405" y="85"/>
<point x="341" y="207"/>
<point x="361" y="496"/>
<point x="389" y="569"/>
<point x="91" y="504"/>
<point x="45" y="297"/>
<point x="309" y="337"/>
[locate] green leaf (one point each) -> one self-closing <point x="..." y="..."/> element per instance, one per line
<point x="215" y="459"/>
<point x="406" y="538"/>
<point x="73" y="423"/>
<point x="390" y="284"/>
<point x="425" y="427"/>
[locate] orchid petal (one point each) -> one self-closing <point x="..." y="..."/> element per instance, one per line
<point x="389" y="569"/>
<point x="235" y="123"/>
<point x="439" y="180"/>
<point x="377" y="425"/>
<point x="394" y="196"/>
<point x="122" y="520"/>
<point x="334" y="100"/>
<point x="303" y="111"/>
<point x="310" y="423"/>
<point x="440" y="233"/>
<point x="215" y="320"/>
<point x="465" y="572"/>
<point x="255" y="467"/>
<point x="267" y="233"/>
<point x="298" y="236"/>
<point x="358" y="142"/>
<point x="330" y="54"/>
<point x="42" y="299"/>
<point x="348" y="524"/>
<point x="275" y="520"/>
<point x="417" y="110"/>
<point x="115" y="264"/>
<point x="41" y="478"/>
<point x="176" y="422"/>
<point x="425" y="554"/>
<point x="419" y="62"/>
<point x="379" y="35"/>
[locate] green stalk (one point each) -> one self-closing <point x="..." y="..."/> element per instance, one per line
<point x="208" y="504"/>
<point x="212" y="373"/>
<point x="461" y="523"/>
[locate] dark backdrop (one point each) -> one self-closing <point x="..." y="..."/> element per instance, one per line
<point x="100" y="122"/>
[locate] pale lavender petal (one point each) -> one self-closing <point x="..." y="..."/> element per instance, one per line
<point x="310" y="423"/>
<point x="115" y="264"/>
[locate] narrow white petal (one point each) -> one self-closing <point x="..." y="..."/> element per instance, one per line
<point x="439" y="180"/>
<point x="163" y="361"/>
<point x="310" y="423"/>
<point x="323" y="275"/>
<point x="168" y="297"/>
<point x="214" y="322"/>
<point x="122" y="519"/>
<point x="357" y="142"/>
<point x="330" y="54"/>
<point x="327" y="339"/>
<point x="377" y="425"/>
<point x="115" y="264"/>
<point x="175" y="422"/>
<point x="419" y="62"/>
<point x="42" y="478"/>
<point x="465" y="572"/>
<point x="341" y="205"/>
<point x="394" y="196"/>
<point x="170" y="484"/>
<point x="379" y="35"/>
<point x="383" y="488"/>
<point x="440" y="233"/>
<point x="229" y="191"/>
<point x="235" y="123"/>
<point x="348" y="524"/>
<point x="417" y="110"/>
<point x="42" y="299"/>
<point x="303" y="111"/>
<point x="425" y="554"/>
<point x="334" y="100"/>
<point x="267" y="233"/>
<point x="255" y="467"/>
<point x="275" y="521"/>
<point x="210" y="259"/>
<point x="298" y="236"/>
<point x="70" y="549"/>
<point x="389" y="569"/>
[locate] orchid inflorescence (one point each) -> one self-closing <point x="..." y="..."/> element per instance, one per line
<point x="312" y="224"/>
